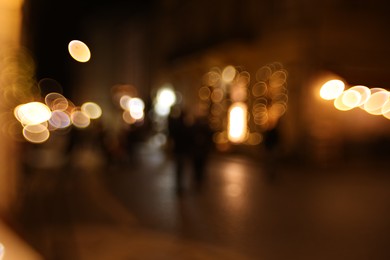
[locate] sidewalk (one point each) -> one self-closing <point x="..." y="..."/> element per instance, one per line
<point x="131" y="211"/>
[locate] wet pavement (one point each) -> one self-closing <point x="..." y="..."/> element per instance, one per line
<point x="132" y="210"/>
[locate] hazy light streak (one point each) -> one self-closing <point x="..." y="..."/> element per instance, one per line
<point x="79" y="51"/>
<point x="237" y="128"/>
<point x="332" y="89"/>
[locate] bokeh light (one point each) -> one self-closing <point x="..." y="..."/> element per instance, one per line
<point x="124" y="102"/>
<point x="375" y="102"/>
<point x="136" y="108"/>
<point x="79" y="51"/>
<point x="217" y="95"/>
<point x="339" y="104"/>
<point x="386" y="109"/>
<point x="204" y="93"/>
<point x="351" y="98"/>
<point x="56" y="101"/>
<point x="332" y="89"/>
<point x="92" y="109"/>
<point x="32" y="113"/>
<point x="36" y="133"/>
<point x="237" y="128"/>
<point x="259" y="89"/>
<point x="364" y="93"/>
<point x="260" y="104"/>
<point x="59" y="119"/>
<point x="127" y="117"/>
<point x="228" y="73"/>
<point x="166" y="96"/>
<point x="164" y="100"/>
<point x="80" y="119"/>
<point x="263" y="74"/>
<point x="212" y="78"/>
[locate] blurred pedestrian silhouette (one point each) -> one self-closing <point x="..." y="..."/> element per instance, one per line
<point x="201" y="135"/>
<point x="192" y="143"/>
<point x="271" y="144"/>
<point x="179" y="133"/>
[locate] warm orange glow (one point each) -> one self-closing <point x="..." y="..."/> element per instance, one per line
<point x="233" y="190"/>
<point x="254" y="138"/>
<point x="375" y="102"/>
<point x="212" y="78"/>
<point x="228" y="74"/>
<point x="79" y="51"/>
<point x="332" y="89"/>
<point x="276" y="110"/>
<point x="204" y="93"/>
<point x="217" y="95"/>
<point x="234" y="177"/>
<point x="238" y="93"/>
<point x="92" y="109"/>
<point x="237" y="128"/>
<point x="2" y="251"/>
<point x="263" y="74"/>
<point x="278" y="78"/>
<point x="127" y="117"/>
<point x="259" y="89"/>
<point x="220" y="138"/>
